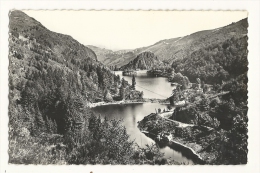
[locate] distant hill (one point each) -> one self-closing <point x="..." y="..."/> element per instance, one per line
<point x="143" y="61"/>
<point x="100" y="52"/>
<point x="170" y="50"/>
<point x="114" y="58"/>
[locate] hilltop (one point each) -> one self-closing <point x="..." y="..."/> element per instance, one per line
<point x="143" y="61"/>
<point x="170" y="50"/>
<point x="32" y="31"/>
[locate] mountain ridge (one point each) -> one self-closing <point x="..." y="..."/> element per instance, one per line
<point x="169" y="50"/>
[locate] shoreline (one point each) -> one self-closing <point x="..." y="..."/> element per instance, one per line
<point x="145" y="100"/>
<point x="194" y="154"/>
<point x="92" y="105"/>
<point x="187" y="151"/>
<point x="192" y="149"/>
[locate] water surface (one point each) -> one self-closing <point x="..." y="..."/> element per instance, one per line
<point x="153" y="87"/>
<point x="130" y="114"/>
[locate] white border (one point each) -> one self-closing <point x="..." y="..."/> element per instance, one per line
<point x="251" y="6"/>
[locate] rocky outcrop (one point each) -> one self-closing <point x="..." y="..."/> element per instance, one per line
<point x="143" y="61"/>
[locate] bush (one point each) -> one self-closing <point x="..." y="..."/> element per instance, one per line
<point x="182" y="80"/>
<point x="232" y="145"/>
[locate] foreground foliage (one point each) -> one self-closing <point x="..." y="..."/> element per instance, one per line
<point x="98" y="142"/>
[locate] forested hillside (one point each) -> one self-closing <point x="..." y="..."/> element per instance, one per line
<point x="47" y="69"/>
<point x="216" y="62"/>
<point x="220" y="98"/>
<point x="52" y="79"/>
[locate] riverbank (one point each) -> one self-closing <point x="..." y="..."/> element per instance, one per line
<point x="186" y="151"/>
<point x="92" y="105"/>
<point x="145" y="100"/>
<point x="193" y="141"/>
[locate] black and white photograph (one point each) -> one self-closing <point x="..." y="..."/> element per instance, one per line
<point x="128" y="87"/>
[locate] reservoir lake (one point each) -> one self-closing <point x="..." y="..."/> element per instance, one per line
<point x="130" y="114"/>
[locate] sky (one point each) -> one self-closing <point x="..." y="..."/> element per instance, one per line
<point x="118" y="30"/>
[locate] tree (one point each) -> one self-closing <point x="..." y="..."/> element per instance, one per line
<point x="204" y="104"/>
<point x="107" y="96"/>
<point x="133" y="82"/>
<point x="185" y="82"/>
<point x="115" y="69"/>
<point x="205" y="88"/>
<point x="202" y="84"/>
<point x="216" y="87"/>
<point x="182" y="80"/>
<point x="232" y="144"/>
<point x="224" y="112"/>
<point x="122" y="92"/>
<point x="123" y="83"/>
<point x="141" y="94"/>
<point x="100" y="77"/>
<point x="169" y="107"/>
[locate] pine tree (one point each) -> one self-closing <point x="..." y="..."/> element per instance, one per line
<point x="123" y="83"/>
<point x="122" y="92"/>
<point x="133" y="82"/>
<point x="40" y="123"/>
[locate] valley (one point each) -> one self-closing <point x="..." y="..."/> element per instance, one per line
<point x="179" y="101"/>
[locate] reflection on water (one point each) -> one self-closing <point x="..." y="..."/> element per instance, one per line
<point x="153" y="87"/>
<point x="130" y="114"/>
